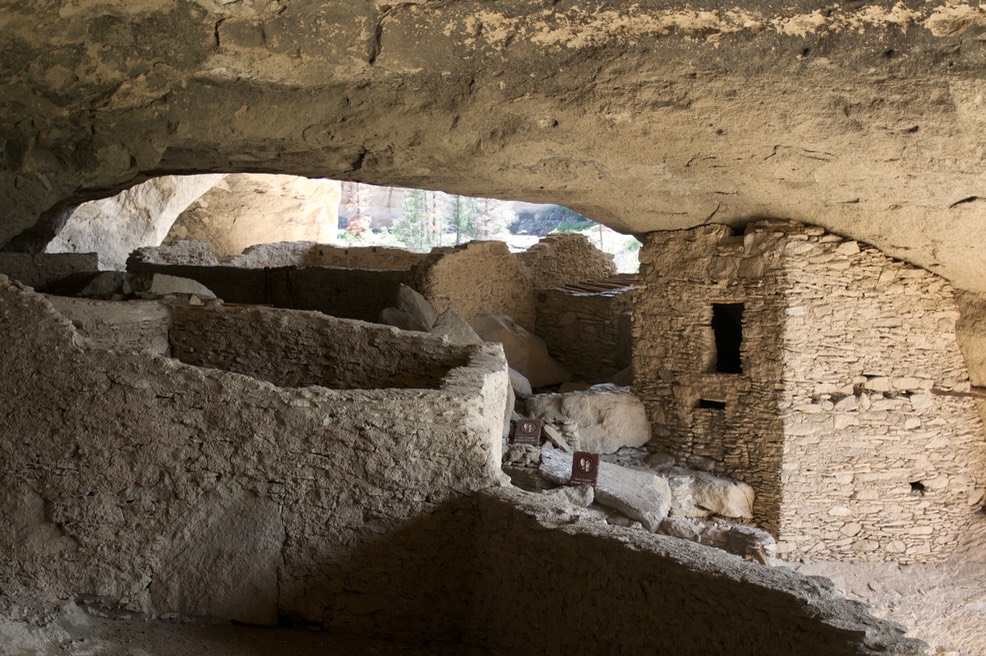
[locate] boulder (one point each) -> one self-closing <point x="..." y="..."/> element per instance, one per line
<point x="416" y="305"/>
<point x="739" y="539"/>
<point x="401" y="319"/>
<point x="638" y="494"/>
<point x="701" y="494"/>
<point x="607" y="417"/>
<point x="458" y="331"/>
<point x="525" y="351"/>
<point x="163" y="284"/>
<point x="522" y="386"/>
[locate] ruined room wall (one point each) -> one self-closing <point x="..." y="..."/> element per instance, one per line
<point x="347" y="293"/>
<point x="869" y="341"/>
<point x="118" y="325"/>
<point x="563" y="258"/>
<point x="609" y="590"/>
<point x="681" y="275"/>
<point x="144" y="484"/>
<point x="480" y="277"/>
<point x="588" y="333"/>
<point x="255" y="208"/>
<point x="306" y="253"/>
<point x="43" y="269"/>
<point x="297" y="349"/>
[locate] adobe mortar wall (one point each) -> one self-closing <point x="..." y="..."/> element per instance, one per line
<point x="154" y="486"/>
<point x="611" y="590"/>
<point x="297" y="349"/>
<point x="588" y="333"/>
<point x="869" y="342"/>
<point x="306" y="254"/>
<point x="563" y="258"/>
<point x="346" y="293"/>
<point x="480" y="277"/>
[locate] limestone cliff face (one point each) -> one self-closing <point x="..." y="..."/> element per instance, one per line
<point x="867" y="118"/>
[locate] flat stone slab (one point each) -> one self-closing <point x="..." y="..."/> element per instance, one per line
<point x="637" y="494"/>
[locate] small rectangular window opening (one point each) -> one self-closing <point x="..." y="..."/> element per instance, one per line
<point x="727" y="325"/>
<point x="707" y="404"/>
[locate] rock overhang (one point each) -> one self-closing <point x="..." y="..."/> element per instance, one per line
<point x="865" y="119"/>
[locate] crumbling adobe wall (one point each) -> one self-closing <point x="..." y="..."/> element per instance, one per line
<point x="306" y="253"/>
<point x="681" y="275"/>
<point x="881" y="461"/>
<point x="43" y="269"/>
<point x="588" y="332"/>
<point x="297" y="349"/>
<point x="480" y="277"/>
<point x="563" y="258"/>
<point x="149" y="485"/>
<point x="346" y="293"/>
<point x="118" y="326"/>
<point x="618" y="591"/>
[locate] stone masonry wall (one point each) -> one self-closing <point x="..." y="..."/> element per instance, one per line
<point x="682" y="274"/>
<point x="587" y="332"/>
<point x="881" y="462"/>
<point x="346" y="293"/>
<point x="563" y="258"/>
<point x="480" y="277"/>
<point x="850" y="418"/>
<point x="139" y="483"/>
<point x="298" y="349"/>
<point x="312" y="254"/>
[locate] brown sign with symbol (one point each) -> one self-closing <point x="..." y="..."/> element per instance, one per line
<point x="527" y="431"/>
<point x="585" y="468"/>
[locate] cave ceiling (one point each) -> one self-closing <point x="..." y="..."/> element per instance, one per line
<point x="868" y="118"/>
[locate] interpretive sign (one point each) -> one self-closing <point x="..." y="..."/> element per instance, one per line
<point x="527" y="431"/>
<point x="585" y="468"/>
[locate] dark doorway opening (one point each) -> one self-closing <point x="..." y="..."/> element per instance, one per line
<point x="727" y="324"/>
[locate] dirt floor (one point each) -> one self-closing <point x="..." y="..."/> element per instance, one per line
<point x="942" y="604"/>
<point x="106" y="637"/>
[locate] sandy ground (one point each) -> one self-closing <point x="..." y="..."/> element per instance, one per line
<point x="942" y="604"/>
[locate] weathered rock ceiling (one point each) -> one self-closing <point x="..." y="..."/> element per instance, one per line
<point x="866" y="117"/>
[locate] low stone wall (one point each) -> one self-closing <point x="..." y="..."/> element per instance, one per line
<point x="43" y="269"/>
<point x="601" y="589"/>
<point x="298" y="349"/>
<point x="588" y="332"/>
<point x="143" y="484"/>
<point x="346" y="293"/>
<point x="119" y="326"/>
<point x="305" y="254"/>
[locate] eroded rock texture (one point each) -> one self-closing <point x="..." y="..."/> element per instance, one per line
<point x="867" y="118"/>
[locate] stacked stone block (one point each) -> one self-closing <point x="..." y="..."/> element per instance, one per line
<point x="587" y="331"/>
<point x="848" y="417"/>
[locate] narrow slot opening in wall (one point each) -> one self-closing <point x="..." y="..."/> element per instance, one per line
<point x="727" y="325"/>
<point x="707" y="404"/>
<point x="918" y="488"/>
